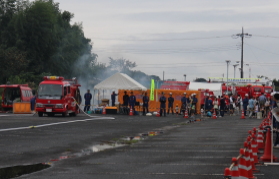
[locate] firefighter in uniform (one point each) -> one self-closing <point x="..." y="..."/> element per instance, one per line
<point x="145" y="100"/>
<point x="132" y="101"/>
<point x="183" y="103"/>
<point x="170" y="103"/>
<point x="163" y="101"/>
<point x="87" y="97"/>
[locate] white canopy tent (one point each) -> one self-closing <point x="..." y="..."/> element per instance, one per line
<point x="116" y="82"/>
<point x="215" y="87"/>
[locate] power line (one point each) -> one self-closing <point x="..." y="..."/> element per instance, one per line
<point x="262" y="49"/>
<point x="266" y="36"/>
<point x="172" y="39"/>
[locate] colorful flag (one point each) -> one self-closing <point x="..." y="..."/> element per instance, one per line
<point x="152" y="87"/>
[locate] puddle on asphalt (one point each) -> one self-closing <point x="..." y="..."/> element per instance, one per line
<point x="102" y="147"/>
<point x="16" y="171"/>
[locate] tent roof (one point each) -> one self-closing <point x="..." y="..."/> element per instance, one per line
<point x="201" y="85"/>
<point x="215" y="87"/>
<point x="120" y="81"/>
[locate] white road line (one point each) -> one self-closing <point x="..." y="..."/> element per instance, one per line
<point x="57" y="123"/>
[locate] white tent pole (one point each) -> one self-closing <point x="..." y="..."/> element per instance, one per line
<point x="98" y="98"/>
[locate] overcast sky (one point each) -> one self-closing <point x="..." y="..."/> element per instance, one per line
<point x="183" y="36"/>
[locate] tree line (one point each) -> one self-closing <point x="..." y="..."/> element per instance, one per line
<point x="38" y="39"/>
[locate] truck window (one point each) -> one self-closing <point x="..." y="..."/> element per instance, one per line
<point x="69" y="90"/>
<point x="65" y="90"/>
<point x="50" y="91"/>
<point x="256" y="89"/>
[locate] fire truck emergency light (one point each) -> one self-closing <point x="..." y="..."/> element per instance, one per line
<point x="53" y="78"/>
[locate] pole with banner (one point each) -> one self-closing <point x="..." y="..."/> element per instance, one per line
<point x="152" y="88"/>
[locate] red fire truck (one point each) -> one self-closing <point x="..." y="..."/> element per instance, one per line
<point x="253" y="91"/>
<point x="15" y="93"/>
<point x="58" y="96"/>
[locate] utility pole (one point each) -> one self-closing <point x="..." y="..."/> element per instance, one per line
<point x="242" y="35"/>
<point x="228" y="62"/>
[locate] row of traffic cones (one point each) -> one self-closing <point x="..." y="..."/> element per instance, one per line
<point x="249" y="155"/>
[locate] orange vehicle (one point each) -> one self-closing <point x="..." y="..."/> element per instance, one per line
<point x="58" y="96"/>
<point x="15" y="93"/>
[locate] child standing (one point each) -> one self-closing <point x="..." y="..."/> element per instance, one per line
<point x="176" y="109"/>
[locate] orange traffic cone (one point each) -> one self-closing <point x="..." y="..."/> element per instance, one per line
<point x="214" y="115"/>
<point x="254" y="146"/>
<point x="248" y="163"/>
<point x="131" y="112"/>
<point x="260" y="138"/>
<point x="158" y="113"/>
<point x="234" y="170"/>
<point x="227" y="173"/>
<point x="243" y="172"/>
<point x="104" y="110"/>
<point x="267" y="150"/>
<point x="186" y="114"/>
<point x="242" y="114"/>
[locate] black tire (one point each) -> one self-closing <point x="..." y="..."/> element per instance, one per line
<point x="64" y="114"/>
<point x="40" y="114"/>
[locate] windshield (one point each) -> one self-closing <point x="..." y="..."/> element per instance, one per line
<point x="228" y="93"/>
<point x="50" y="91"/>
<point x="256" y="89"/>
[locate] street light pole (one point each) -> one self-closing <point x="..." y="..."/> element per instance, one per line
<point x="235" y="65"/>
<point x="249" y="70"/>
<point x="228" y="62"/>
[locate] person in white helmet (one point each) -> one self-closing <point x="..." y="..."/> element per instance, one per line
<point x="170" y="104"/>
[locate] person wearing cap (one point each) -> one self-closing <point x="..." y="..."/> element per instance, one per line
<point x="184" y="101"/>
<point x="132" y="101"/>
<point x="194" y="102"/>
<point x="113" y="95"/>
<point x="245" y="103"/>
<point x="145" y="100"/>
<point x="170" y="104"/>
<point x="126" y="100"/>
<point x="87" y="97"/>
<point x="163" y="101"/>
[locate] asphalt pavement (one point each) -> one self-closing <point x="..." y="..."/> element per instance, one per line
<point x="202" y="149"/>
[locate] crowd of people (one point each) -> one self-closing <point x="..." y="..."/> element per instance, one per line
<point x="166" y="104"/>
<point x="233" y="105"/>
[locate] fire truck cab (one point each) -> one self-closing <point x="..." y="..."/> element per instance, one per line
<point x="58" y="96"/>
<point x="15" y="93"/>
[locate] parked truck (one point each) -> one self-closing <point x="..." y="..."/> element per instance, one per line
<point x="58" y="96"/>
<point x="15" y="93"/>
